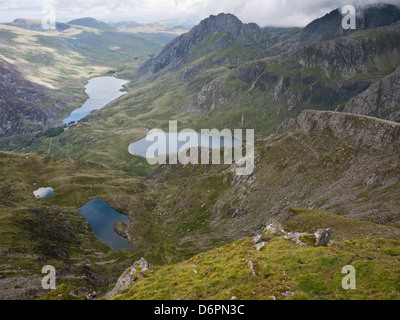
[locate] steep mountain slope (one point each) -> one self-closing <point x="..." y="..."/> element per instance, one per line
<point x="330" y="26"/>
<point x="381" y="99"/>
<point x="179" y="51"/>
<point x="24" y="106"/>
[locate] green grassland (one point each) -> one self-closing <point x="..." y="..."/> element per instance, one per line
<point x="283" y="266"/>
<point x="36" y="232"/>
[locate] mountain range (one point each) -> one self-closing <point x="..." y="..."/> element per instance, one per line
<point x="324" y="105"/>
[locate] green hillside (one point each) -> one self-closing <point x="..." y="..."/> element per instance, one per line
<point x="283" y="269"/>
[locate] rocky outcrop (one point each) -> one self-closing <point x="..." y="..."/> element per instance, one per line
<point x="321" y="238"/>
<point x="381" y="100"/>
<point x="129" y="277"/>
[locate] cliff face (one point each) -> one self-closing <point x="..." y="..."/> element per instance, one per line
<point x="352" y="53"/>
<point x="381" y="100"/>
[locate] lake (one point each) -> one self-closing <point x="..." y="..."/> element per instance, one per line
<point x="139" y="148"/>
<point x="101" y="91"/>
<point x="102" y="218"/>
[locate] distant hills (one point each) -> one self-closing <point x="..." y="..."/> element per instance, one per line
<point x="92" y="23"/>
<point x="155" y="27"/>
<point x="128" y="26"/>
<point x="35" y="25"/>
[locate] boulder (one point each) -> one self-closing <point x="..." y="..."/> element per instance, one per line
<point x="258" y="239"/>
<point x="129" y="277"/>
<point x="275" y="228"/>
<point x="323" y="237"/>
<point x="261" y="245"/>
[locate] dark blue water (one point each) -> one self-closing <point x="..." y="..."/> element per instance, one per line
<point x="102" y="218"/>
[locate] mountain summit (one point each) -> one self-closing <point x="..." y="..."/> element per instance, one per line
<point x="179" y="50"/>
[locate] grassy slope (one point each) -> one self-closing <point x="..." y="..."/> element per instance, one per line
<point x="282" y="266"/>
<point x="52" y="230"/>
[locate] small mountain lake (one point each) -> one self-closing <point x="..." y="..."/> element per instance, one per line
<point x="102" y="218"/>
<point x="101" y="91"/>
<point x="140" y="147"/>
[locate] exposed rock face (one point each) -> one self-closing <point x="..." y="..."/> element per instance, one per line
<point x="259" y="242"/>
<point x="348" y="53"/>
<point x="330" y="26"/>
<point x="212" y="96"/>
<point x="176" y="53"/>
<point x="258" y="239"/>
<point x="381" y="100"/>
<point x="323" y="237"/>
<point x="129" y="277"/>
<point x="363" y="131"/>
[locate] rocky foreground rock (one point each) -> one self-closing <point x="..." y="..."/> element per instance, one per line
<point x="321" y="238"/>
<point x="129" y="277"/>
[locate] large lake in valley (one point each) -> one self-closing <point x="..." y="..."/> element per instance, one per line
<point x="102" y="218"/>
<point x="101" y="91"/>
<point x="181" y="143"/>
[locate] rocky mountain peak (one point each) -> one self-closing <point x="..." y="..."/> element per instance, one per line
<point x="177" y="52"/>
<point x="220" y="23"/>
<point x="368" y="17"/>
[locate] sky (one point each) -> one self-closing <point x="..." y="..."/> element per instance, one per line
<point x="279" y="13"/>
